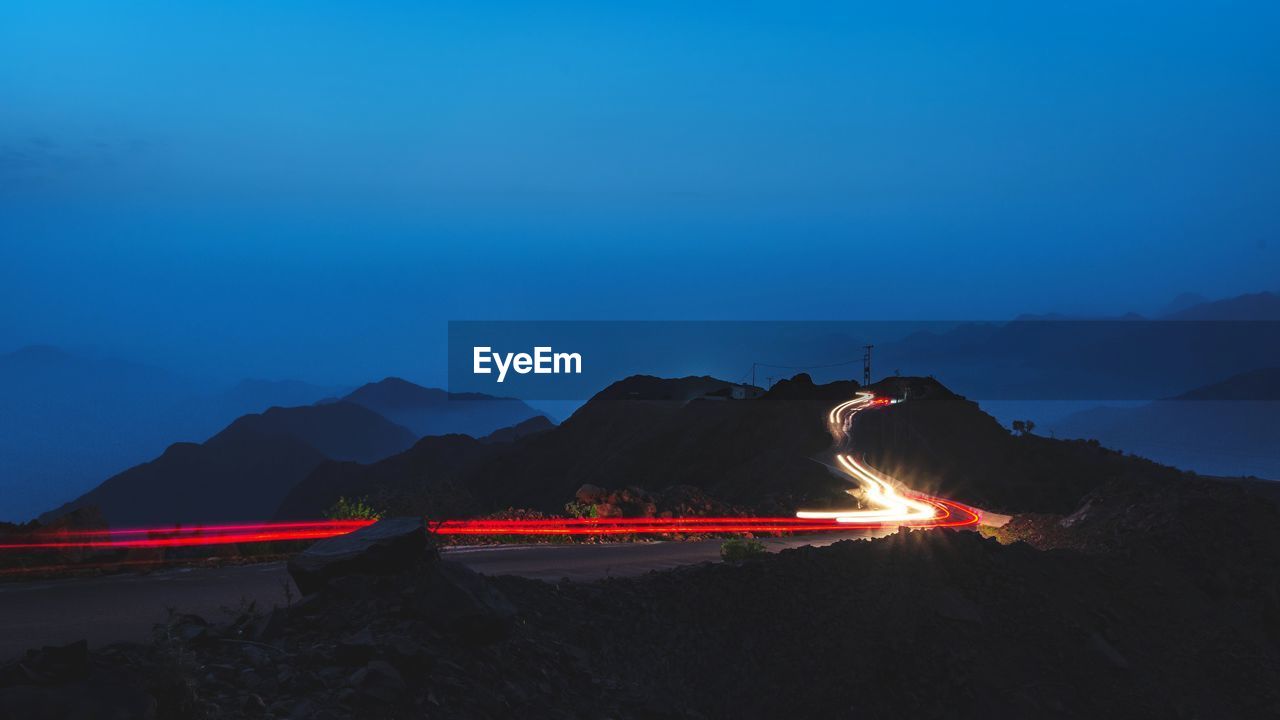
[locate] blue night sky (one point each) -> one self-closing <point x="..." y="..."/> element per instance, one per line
<point x="311" y="190"/>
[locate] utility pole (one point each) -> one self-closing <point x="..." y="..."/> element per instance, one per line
<point x="866" y="365"/>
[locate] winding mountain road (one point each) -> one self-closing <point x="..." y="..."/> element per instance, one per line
<point x="125" y="607"/>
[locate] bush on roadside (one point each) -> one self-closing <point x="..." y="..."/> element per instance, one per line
<point x="576" y="509"/>
<point x="353" y="509"/>
<point x="739" y="549"/>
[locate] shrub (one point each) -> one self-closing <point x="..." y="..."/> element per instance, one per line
<point x="573" y="508"/>
<point x="353" y="509"/>
<point x="739" y="549"/>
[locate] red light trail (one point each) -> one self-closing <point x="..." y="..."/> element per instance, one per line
<point x="949" y="515"/>
<point x="893" y="509"/>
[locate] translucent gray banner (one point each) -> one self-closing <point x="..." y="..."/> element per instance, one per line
<point x="1017" y="360"/>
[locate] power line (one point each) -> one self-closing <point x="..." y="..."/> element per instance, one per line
<point x="755" y="365"/>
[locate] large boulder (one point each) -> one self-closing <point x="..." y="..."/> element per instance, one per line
<point x="387" y="547"/>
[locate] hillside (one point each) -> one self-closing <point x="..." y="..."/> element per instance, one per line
<point x="430" y="411"/>
<point x="643" y="431"/>
<point x="243" y="472"/>
<point x="423" y="481"/>
<point x="943" y="444"/>
<point x="764" y="454"/>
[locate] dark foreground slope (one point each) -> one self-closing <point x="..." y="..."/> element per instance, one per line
<point x="243" y="472"/>
<point x="920" y="624"/>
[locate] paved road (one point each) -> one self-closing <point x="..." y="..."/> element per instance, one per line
<point x="118" y="608"/>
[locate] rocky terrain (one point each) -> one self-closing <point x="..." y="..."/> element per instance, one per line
<point x="932" y="623"/>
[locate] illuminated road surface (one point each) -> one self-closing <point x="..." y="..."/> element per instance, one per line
<point x="124" y="607"/>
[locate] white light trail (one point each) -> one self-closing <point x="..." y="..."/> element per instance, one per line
<point x="878" y="490"/>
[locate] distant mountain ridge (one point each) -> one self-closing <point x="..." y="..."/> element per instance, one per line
<point x="430" y="411"/>
<point x="1251" y="306"/>
<point x="246" y="470"/>
<point x="67" y="420"/>
<point x="1055" y="357"/>
<point x="243" y="472"/>
<point x="71" y="419"/>
<point x="1231" y="427"/>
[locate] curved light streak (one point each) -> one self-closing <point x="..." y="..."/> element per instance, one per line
<point x="889" y="505"/>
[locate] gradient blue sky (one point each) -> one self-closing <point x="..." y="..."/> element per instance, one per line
<point x="312" y="189"/>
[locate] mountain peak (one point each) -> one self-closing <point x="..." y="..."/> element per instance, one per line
<point x="392" y="392"/>
<point x="432" y="411"/>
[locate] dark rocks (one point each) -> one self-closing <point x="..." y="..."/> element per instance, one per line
<point x="189" y="628"/>
<point x="268" y="626"/>
<point x="920" y="623"/>
<point x="378" y="682"/>
<point x="48" y="666"/>
<point x="61" y="682"/>
<point x="356" y="649"/>
<point x="388" y="546"/>
<point x="464" y="604"/>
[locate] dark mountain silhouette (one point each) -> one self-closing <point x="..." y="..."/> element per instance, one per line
<point x="656" y="433"/>
<point x="941" y="443"/>
<point x="421" y="481"/>
<point x="761" y="454"/>
<point x="643" y="431"/>
<point x="1262" y="385"/>
<point x="243" y="472"/>
<point x="532" y="426"/>
<point x="430" y="411"/>
<point x="1230" y="427"/>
